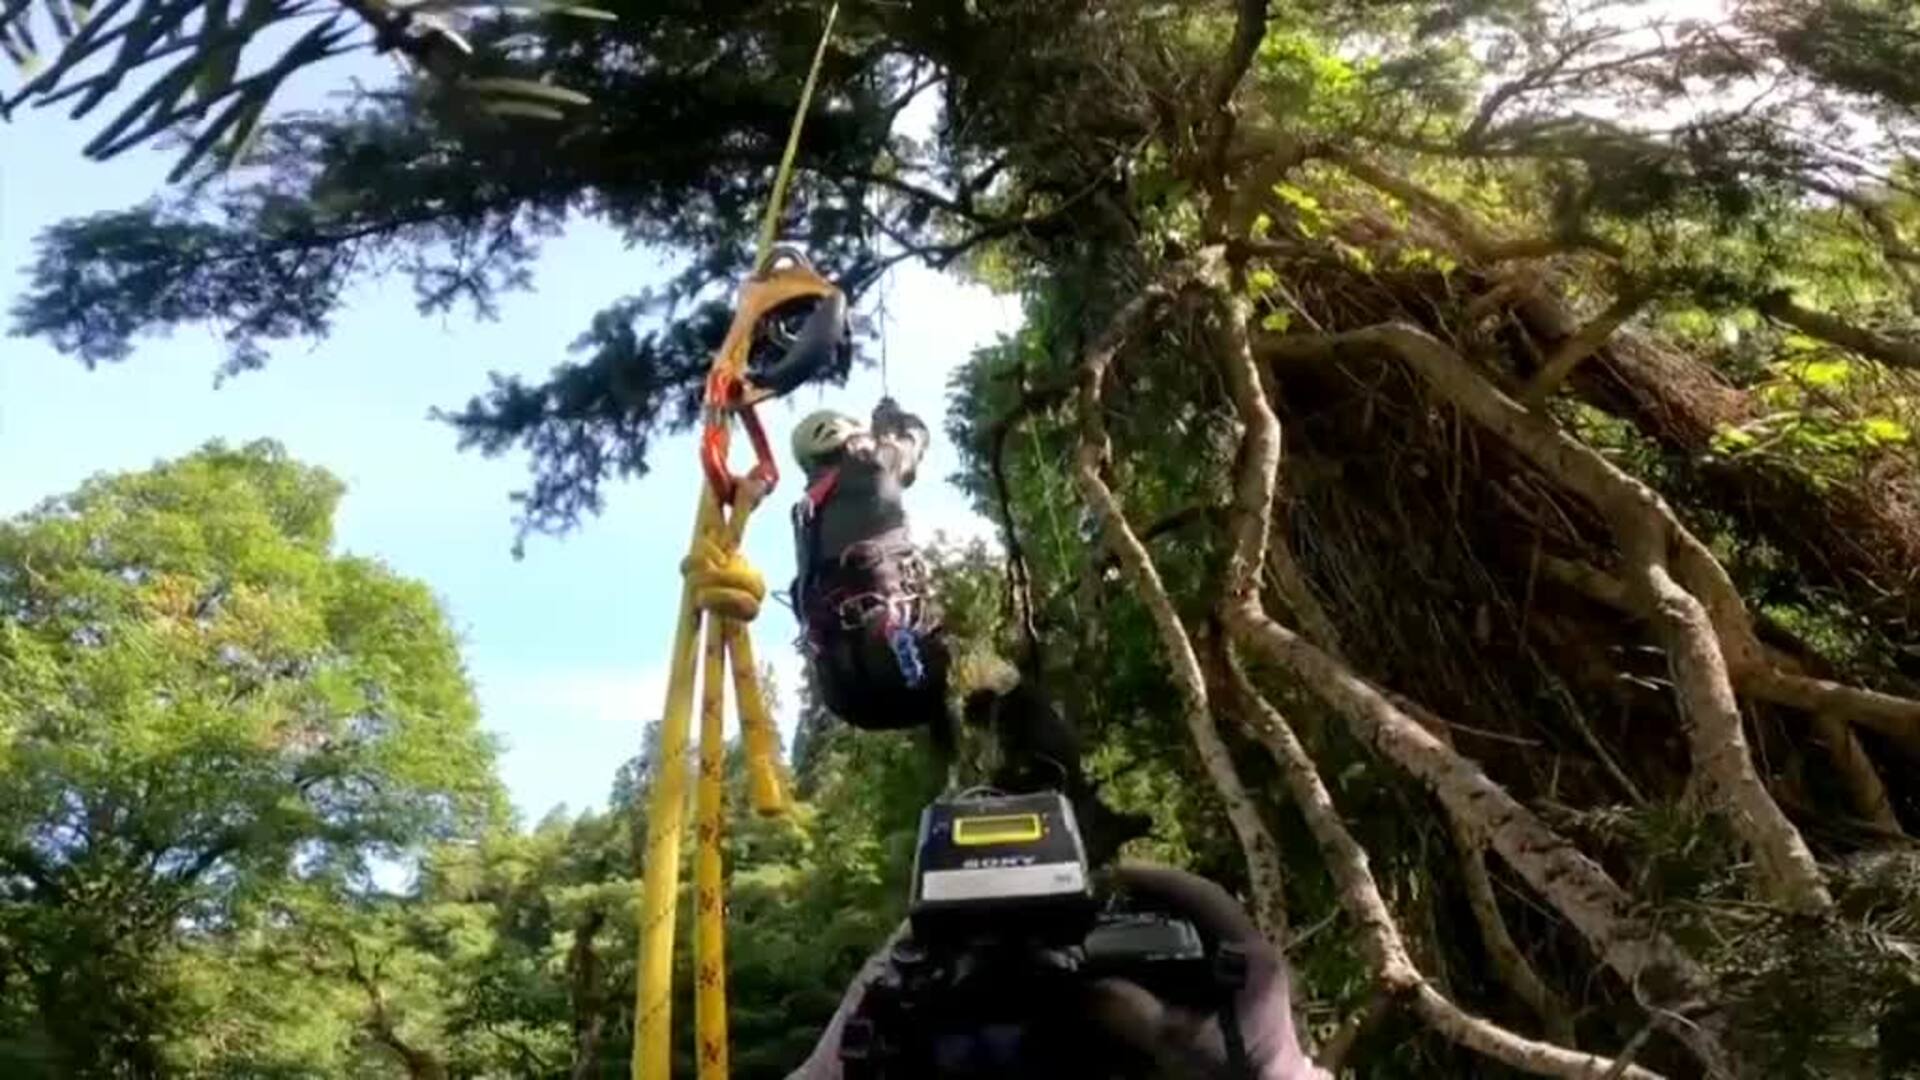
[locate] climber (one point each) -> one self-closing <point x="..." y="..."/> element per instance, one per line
<point x="871" y="628"/>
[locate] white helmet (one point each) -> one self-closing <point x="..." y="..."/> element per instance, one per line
<point x="822" y="433"/>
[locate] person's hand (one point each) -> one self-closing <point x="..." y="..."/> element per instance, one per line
<point x="1181" y="1042"/>
<point x="1185" y="1043"/>
<point x="824" y="1062"/>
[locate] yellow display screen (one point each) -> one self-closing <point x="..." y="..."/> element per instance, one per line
<point x="996" y="829"/>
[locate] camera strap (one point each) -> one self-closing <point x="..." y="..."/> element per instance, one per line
<point x="1230" y="973"/>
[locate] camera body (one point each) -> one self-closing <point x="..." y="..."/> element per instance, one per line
<point x="1006" y="934"/>
<point x="987" y="865"/>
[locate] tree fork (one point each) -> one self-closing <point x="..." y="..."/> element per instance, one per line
<point x="1509" y="963"/>
<point x="1851" y="762"/>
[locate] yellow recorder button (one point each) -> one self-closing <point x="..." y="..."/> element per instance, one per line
<point x="999" y="829"/>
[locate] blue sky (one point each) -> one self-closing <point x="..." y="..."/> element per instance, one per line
<point x="567" y="647"/>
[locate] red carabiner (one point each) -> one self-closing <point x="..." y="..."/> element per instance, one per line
<point x="716" y="440"/>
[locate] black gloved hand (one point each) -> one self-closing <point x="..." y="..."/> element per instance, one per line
<point x="888" y="415"/>
<point x="1185" y="1043"/>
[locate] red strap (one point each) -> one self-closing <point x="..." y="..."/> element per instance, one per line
<point x="822" y="489"/>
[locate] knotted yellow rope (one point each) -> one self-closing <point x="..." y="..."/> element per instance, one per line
<point x="720" y="594"/>
<point x="723" y="582"/>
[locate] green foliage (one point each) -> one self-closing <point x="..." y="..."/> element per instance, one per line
<point x="1829" y="416"/>
<point x="202" y="93"/>
<point x="678" y="151"/>
<point x="203" y="706"/>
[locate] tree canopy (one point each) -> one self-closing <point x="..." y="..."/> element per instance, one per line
<point x="202" y="708"/>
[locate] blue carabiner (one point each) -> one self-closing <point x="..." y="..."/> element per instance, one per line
<point x="906" y="650"/>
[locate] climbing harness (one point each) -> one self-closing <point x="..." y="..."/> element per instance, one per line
<point x="720" y="594"/>
<point x="862" y="600"/>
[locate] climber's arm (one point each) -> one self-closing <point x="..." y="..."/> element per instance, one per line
<point x="900" y="440"/>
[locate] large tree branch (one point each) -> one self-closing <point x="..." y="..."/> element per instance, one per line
<point x="1258" y="458"/>
<point x="1251" y="522"/>
<point x="1892" y="351"/>
<point x="421" y="1064"/>
<point x="1215" y="127"/>
<point x="1453" y="220"/>
<point x="1256" y="842"/>
<point x="1457" y="223"/>
<point x="1662" y="975"/>
<point x="1896" y="717"/>
<point x="1589" y="339"/>
<point x="1780" y="681"/>
<point x="924" y="196"/>
<point x="1598" y="906"/>
<point x="1865" y="790"/>
<point x="1903" y="259"/>
<point x="1474" y="136"/>
<point x="1509" y="962"/>
<point x="1360" y="897"/>
<point x="939" y="256"/>
<point x="1765" y="676"/>
<point x="1250" y="25"/>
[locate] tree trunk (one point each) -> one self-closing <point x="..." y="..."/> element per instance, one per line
<point x="583" y="969"/>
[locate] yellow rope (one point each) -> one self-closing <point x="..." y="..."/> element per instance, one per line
<point x="723" y="582"/>
<point x="777" y="203"/>
<point x="666" y="816"/>
<point x="765" y="787"/>
<point x="710" y="931"/>
<point x="720" y="593"/>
